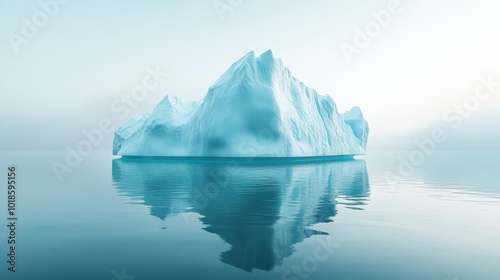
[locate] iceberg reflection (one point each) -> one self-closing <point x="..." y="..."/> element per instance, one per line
<point x="261" y="209"/>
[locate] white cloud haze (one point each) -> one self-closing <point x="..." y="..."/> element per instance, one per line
<point x="428" y="58"/>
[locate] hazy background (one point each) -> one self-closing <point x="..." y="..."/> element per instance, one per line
<point x="91" y="52"/>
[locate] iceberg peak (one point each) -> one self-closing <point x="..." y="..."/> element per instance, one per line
<point x="354" y="113"/>
<point x="255" y="109"/>
<point x="354" y="118"/>
<point x="267" y="56"/>
<point x="250" y="56"/>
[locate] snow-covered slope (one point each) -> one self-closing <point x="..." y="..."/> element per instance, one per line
<point x="255" y="109"/>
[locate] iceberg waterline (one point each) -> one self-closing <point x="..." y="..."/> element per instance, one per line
<point x="255" y="109"/>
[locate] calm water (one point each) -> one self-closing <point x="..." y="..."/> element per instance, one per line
<point x="164" y="219"/>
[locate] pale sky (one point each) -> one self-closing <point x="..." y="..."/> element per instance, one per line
<point x="427" y="58"/>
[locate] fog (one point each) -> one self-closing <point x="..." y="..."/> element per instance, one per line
<point x="74" y="69"/>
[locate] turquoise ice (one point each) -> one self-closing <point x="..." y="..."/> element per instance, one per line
<point x="255" y="109"/>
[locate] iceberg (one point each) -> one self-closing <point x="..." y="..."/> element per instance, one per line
<point x="255" y="109"/>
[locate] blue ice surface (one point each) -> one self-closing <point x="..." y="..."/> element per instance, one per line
<point x="255" y="109"/>
<point x="248" y="161"/>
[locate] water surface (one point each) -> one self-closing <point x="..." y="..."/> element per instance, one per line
<point x="180" y="219"/>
